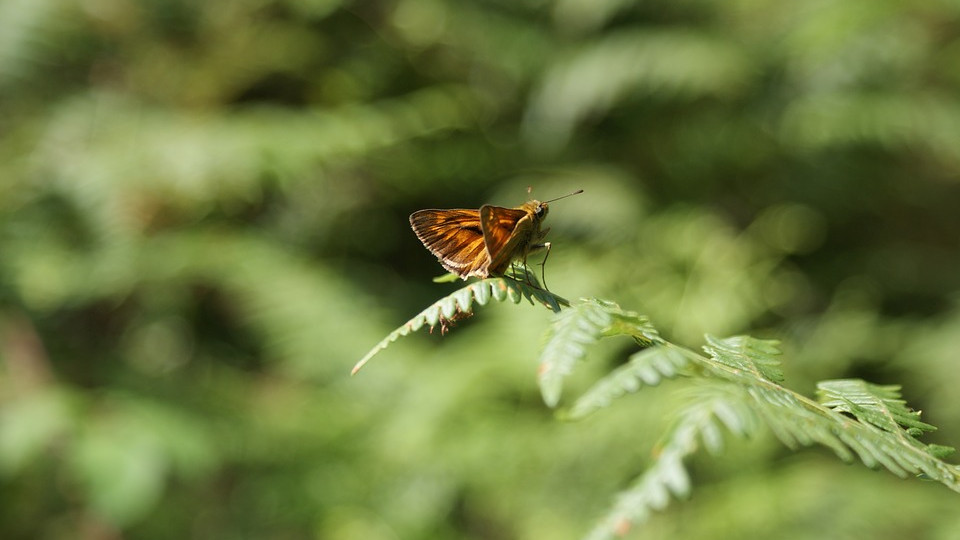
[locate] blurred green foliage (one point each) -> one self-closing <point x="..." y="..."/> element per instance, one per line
<point x="203" y="226"/>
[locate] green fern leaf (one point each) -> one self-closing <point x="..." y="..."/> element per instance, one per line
<point x="940" y="451"/>
<point x="794" y="422"/>
<point x="744" y="353"/>
<point x="566" y="344"/>
<point x="797" y="421"/>
<point x="880" y="406"/>
<point x="647" y="367"/>
<point x="629" y="323"/>
<point x="673" y="63"/>
<point x="578" y="327"/>
<point x="459" y="305"/>
<point x="449" y="277"/>
<point x="746" y="370"/>
<point x="698" y="422"/>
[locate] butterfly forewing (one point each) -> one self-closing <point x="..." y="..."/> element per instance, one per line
<point x="455" y="237"/>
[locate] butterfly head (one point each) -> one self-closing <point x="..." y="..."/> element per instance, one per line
<point x="536" y="209"/>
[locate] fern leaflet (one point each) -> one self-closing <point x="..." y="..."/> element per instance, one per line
<point x="577" y="327"/>
<point x="699" y="422"/>
<point x="880" y="406"/>
<point x="756" y="356"/>
<point x="459" y="305"/>
<point x="647" y="367"/>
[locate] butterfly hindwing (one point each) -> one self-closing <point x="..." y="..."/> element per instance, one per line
<point x="455" y="237"/>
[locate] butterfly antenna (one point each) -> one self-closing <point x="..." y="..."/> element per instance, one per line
<point x="577" y="192"/>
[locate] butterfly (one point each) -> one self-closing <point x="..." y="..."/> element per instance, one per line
<point x="483" y="242"/>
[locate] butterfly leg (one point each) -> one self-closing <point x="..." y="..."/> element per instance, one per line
<point x="543" y="264"/>
<point x="526" y="272"/>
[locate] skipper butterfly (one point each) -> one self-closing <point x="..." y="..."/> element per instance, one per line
<point x="483" y="242"/>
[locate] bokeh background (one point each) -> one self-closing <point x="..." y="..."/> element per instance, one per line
<point x="203" y="225"/>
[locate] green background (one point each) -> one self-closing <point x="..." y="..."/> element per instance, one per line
<point x="203" y="225"/>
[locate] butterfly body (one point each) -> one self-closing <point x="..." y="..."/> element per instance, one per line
<point x="482" y="242"/>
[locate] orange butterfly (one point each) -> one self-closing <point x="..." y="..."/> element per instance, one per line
<point x="483" y="242"/>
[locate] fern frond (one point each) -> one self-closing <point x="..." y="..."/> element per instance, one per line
<point x="713" y="406"/>
<point x="742" y="376"/>
<point x="579" y="326"/>
<point x="796" y="419"/>
<point x="671" y="63"/>
<point x="567" y="339"/>
<point x="746" y="379"/>
<point x="647" y="367"/>
<point x="888" y="120"/>
<point x="459" y="304"/>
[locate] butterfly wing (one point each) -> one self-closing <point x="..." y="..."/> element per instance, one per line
<point x="455" y="237"/>
<point x="505" y="230"/>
